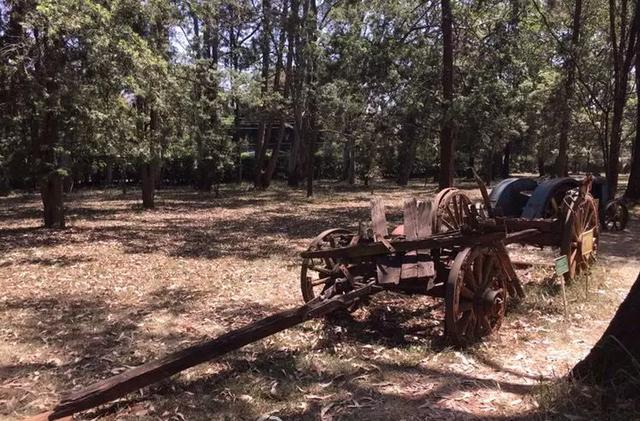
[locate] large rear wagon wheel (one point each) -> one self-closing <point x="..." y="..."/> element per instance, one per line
<point x="319" y="274"/>
<point x="581" y="215"/>
<point x="475" y="296"/>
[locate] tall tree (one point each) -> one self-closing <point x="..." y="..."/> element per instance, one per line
<point x="633" y="187"/>
<point x="623" y="39"/>
<point x="447" y="146"/>
<point x="571" y="58"/>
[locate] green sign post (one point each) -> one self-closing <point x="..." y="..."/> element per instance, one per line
<point x="562" y="265"/>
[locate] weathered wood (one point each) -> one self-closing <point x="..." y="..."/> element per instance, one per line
<point x="417" y="223"/>
<point x="444" y="240"/>
<point x="426" y="267"/>
<point x="45" y="417"/>
<point x="514" y="281"/>
<point x="388" y="266"/>
<point x="411" y="223"/>
<point x="484" y="193"/>
<point x="378" y="219"/>
<point x="411" y="226"/>
<point x="424" y="219"/>
<point x="519" y="224"/>
<point x="153" y="371"/>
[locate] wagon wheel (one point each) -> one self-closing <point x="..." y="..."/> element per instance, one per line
<point x="581" y="215"/>
<point x="452" y="211"/>
<point x="616" y="216"/>
<point x="318" y="274"/>
<point x="553" y="207"/>
<point x="476" y="295"/>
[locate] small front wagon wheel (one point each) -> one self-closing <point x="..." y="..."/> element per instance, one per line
<point x="476" y="295"/>
<point x="318" y="274"/>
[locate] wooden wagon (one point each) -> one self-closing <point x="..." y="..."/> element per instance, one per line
<point x="446" y="248"/>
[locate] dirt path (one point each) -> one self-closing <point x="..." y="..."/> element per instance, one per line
<point x="123" y="286"/>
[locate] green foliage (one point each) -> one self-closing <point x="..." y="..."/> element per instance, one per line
<point x="128" y="82"/>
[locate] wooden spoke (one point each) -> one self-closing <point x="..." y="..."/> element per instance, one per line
<point x="464" y="322"/>
<point x="475" y="296"/>
<point x="486" y="325"/>
<point x="470" y="281"/>
<point x="320" y="281"/>
<point x="467" y="293"/>
<point x="448" y="224"/>
<point x="581" y="215"/>
<point x="321" y="270"/>
<point x="319" y="274"/>
<point x="452" y="210"/>
<point x="488" y="272"/>
<point x="478" y="271"/>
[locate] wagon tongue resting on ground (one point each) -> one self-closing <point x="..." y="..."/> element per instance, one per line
<point x="444" y="249"/>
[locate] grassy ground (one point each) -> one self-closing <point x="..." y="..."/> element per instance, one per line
<point x="121" y="286"/>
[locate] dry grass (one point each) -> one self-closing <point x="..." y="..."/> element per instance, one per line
<point x="122" y="286"/>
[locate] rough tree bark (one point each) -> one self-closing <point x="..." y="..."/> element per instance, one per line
<point x="311" y="29"/>
<point x="633" y="187"/>
<point x="622" y="59"/>
<point x="52" y="199"/>
<point x="562" y="169"/>
<point x="51" y="186"/>
<point x="348" y="160"/>
<point x="282" y="130"/>
<point x="446" y="131"/>
<point x="506" y="160"/>
<point x="147" y="174"/>
<point x="264" y="130"/>
<point x="295" y="79"/>
<point x="615" y="357"/>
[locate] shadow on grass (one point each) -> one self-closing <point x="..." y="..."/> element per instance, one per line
<point x="262" y="231"/>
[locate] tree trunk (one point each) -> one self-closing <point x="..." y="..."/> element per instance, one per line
<point x="633" y="187"/>
<point x="569" y="88"/>
<point x="295" y="79"/>
<point x="282" y="131"/>
<point x="506" y="160"/>
<point x="262" y="139"/>
<point x="273" y="160"/>
<point x="293" y="167"/>
<point x="540" y="162"/>
<point x="622" y="59"/>
<point x="264" y="131"/>
<point x="51" y="191"/>
<point x="446" y="132"/>
<point x="312" y="82"/>
<point x="148" y="185"/>
<point x="348" y="161"/>
<point x="614" y="358"/>
<point x="408" y="149"/>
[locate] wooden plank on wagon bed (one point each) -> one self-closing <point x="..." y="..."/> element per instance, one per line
<point x="388" y="266"/>
<point x="424" y="219"/>
<point x="426" y="266"/>
<point x="378" y="219"/>
<point x="410" y="261"/>
<point x="417" y="223"/>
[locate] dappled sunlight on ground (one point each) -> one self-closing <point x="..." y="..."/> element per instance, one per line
<point x="121" y="286"/>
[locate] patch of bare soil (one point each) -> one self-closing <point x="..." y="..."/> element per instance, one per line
<point x="122" y="286"/>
